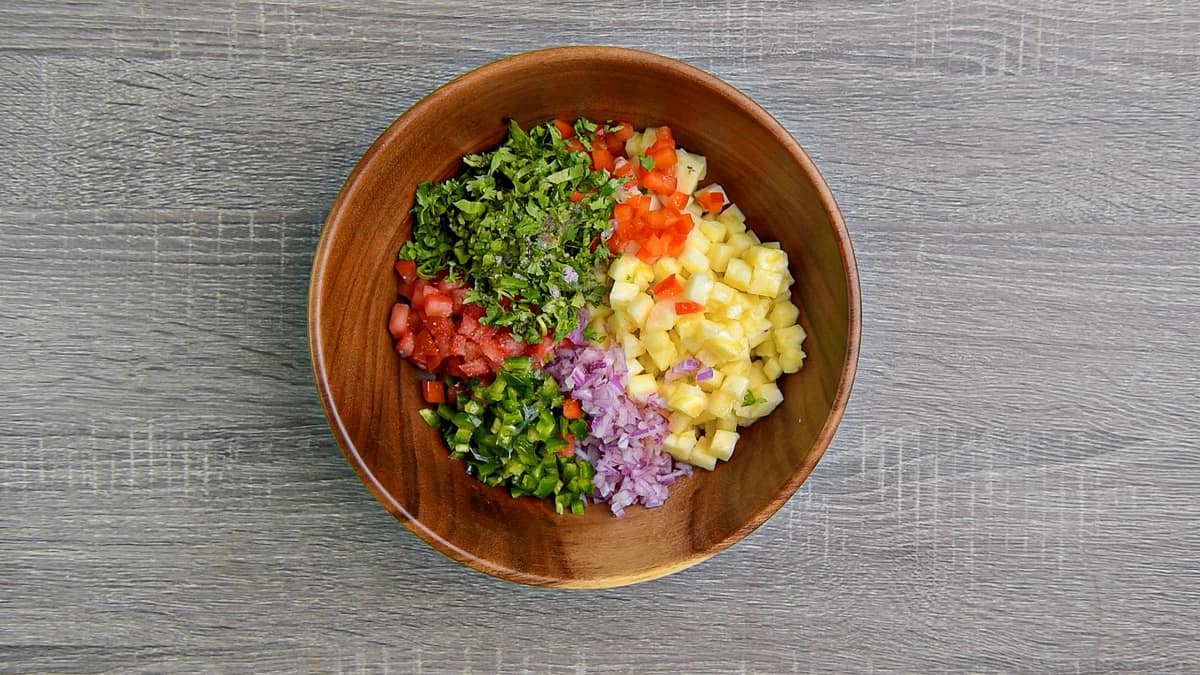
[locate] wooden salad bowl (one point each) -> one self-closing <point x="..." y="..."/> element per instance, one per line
<point x="371" y="396"/>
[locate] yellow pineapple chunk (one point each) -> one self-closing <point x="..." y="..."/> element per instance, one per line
<point x="698" y="287"/>
<point x="639" y="307"/>
<point x="665" y="267"/>
<point x="641" y="386"/>
<point x="693" y="261"/>
<point x="719" y="256"/>
<point x="622" y="294"/>
<point x="696" y="241"/>
<point x="661" y="317"/>
<point x="680" y="444"/>
<point x="765" y="282"/>
<point x="623" y="268"/>
<point x="713" y="231"/>
<point x="687" y="399"/>
<point x="733" y="219"/>
<point x="784" y="314"/>
<point x="737" y="274"/>
<point x="722" y="443"/>
<point x="660" y="348"/>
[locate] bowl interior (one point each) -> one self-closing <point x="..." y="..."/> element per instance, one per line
<point x="371" y="396"/>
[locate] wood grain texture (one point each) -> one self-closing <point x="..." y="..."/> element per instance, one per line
<point x="1013" y="487"/>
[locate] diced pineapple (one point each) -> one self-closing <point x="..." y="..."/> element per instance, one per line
<point x="766" y="348"/>
<point x="727" y="424"/>
<point x="763" y="257"/>
<point x="693" y="261"/>
<point x="767" y="397"/>
<point x="737" y="274"/>
<point x="639" y="307"/>
<point x="735" y="368"/>
<point x="680" y="444"/>
<point x="700" y="456"/>
<point x="660" y="347"/>
<point x="622" y="268"/>
<point x="791" y="361"/>
<point x="677" y="421"/>
<point x="784" y="314"/>
<point x="755" y="375"/>
<point x="631" y="346"/>
<point x="687" y="399"/>
<point x="719" y="256"/>
<point x="694" y="209"/>
<point x="620" y="323"/>
<point x="737" y="385"/>
<point x="638" y="143"/>
<point x="741" y="242"/>
<point x="773" y="244"/>
<point x="765" y="283"/>
<point x="696" y="241"/>
<point x="634" y="366"/>
<point x="772" y="369"/>
<point x="661" y="317"/>
<point x="622" y="294"/>
<point x="720" y="404"/>
<point x="733" y="219"/>
<point x="641" y="386"/>
<point x="690" y="169"/>
<point x="722" y="443"/>
<point x="643" y="276"/>
<point x="648" y="364"/>
<point x="721" y="294"/>
<point x="713" y="231"/>
<point x="757" y="331"/>
<point x="665" y="267"/>
<point x="713" y="383"/>
<point x="698" y="287"/>
<point x="725" y="348"/>
<point x="789" y="338"/>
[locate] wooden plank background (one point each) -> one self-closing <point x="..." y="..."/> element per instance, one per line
<point x="1014" y="487"/>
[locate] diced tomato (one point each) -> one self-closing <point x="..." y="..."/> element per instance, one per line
<point x="452" y="392"/>
<point x="675" y="245"/>
<point x="615" y="145"/>
<point x="433" y="391"/>
<point x="711" y="201"/>
<point x="564" y="129"/>
<point x="404" y="346"/>
<point x="574" y="145"/>
<point x="602" y="159"/>
<point x="677" y="201"/>
<point x="438" y="305"/>
<point x="539" y="351"/>
<point x="472" y="310"/>
<point x="492" y="352"/>
<point x="667" y="288"/>
<point x="576" y="197"/>
<point x="616" y="244"/>
<point x="474" y="368"/>
<point x="398" y="321"/>
<point x="622" y="169"/>
<point x="407" y="269"/>
<point x="684" y="224"/>
<point x="569" y="449"/>
<point x="420" y="289"/>
<point x="659" y="182"/>
<point x="510" y="345"/>
<point x="688" y="307"/>
<point x="623" y="132"/>
<point x="425" y="352"/>
<point x="442" y="330"/>
<point x="623" y="212"/>
<point x="572" y="409"/>
<point x="663" y="133"/>
<point x="641" y="203"/>
<point x="664" y="158"/>
<point x="656" y="220"/>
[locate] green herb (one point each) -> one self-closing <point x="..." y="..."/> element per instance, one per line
<point x="508" y="226"/>
<point x="647" y="162"/>
<point x="749" y="399"/>
<point x="510" y="433"/>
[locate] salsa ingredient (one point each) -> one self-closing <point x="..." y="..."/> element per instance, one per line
<point x="518" y="224"/>
<point x="624" y="437"/>
<point x="513" y="432"/>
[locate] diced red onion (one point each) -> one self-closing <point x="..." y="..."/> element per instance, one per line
<point x="624" y="441"/>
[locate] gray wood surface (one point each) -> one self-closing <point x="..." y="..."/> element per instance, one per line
<point x="1014" y="487"/>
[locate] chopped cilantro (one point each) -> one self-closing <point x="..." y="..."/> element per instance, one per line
<point x="647" y="162"/>
<point x="508" y="226"/>
<point x="749" y="399"/>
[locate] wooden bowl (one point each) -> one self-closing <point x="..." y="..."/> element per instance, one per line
<point x="371" y="396"/>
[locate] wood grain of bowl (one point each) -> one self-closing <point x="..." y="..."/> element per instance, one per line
<point x="371" y="397"/>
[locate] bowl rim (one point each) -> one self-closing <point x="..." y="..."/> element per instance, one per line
<point x="823" y="438"/>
